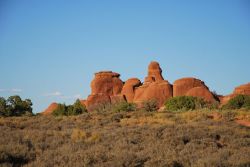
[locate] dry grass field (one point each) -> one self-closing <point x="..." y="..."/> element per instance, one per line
<point x="193" y="138"/>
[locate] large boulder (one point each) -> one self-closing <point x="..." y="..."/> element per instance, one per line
<point x="201" y="92"/>
<point x="193" y="87"/>
<point x="106" y="87"/>
<point x="183" y="85"/>
<point x="106" y="82"/>
<point x="129" y="87"/>
<point x="159" y="91"/>
<point x="50" y="109"/>
<point x="97" y="99"/>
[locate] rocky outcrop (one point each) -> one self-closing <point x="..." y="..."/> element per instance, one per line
<point x="154" y="87"/>
<point x="183" y="85"/>
<point x="129" y="87"/>
<point x="50" y="109"/>
<point x="239" y="90"/>
<point x="106" y="82"/>
<point x="192" y="87"/>
<point x="154" y="72"/>
<point x="97" y="99"/>
<point x="201" y="92"/>
<point x="242" y="89"/>
<point x="159" y="91"/>
<point x="106" y="87"/>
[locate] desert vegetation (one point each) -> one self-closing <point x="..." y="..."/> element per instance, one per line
<point x="123" y="135"/>
<point x="15" y="106"/>
<point x="239" y="101"/>
<point x="67" y="110"/>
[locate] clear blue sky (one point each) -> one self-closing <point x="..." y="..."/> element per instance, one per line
<point x="50" y="49"/>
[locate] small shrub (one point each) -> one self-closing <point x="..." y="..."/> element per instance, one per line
<point x="60" y="110"/>
<point x="78" y="135"/>
<point x="123" y="107"/>
<point x="75" y="109"/>
<point x="150" y="105"/>
<point x="240" y="101"/>
<point x="184" y="103"/>
<point x="229" y="115"/>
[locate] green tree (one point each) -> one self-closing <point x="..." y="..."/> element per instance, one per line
<point x="18" y="107"/>
<point x="3" y="107"/>
<point x="78" y="108"/>
<point x="60" y="110"/>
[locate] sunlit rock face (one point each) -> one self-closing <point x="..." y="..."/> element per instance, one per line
<point x="154" y="87"/>
<point x="192" y="87"/>
<point x="106" y="87"/>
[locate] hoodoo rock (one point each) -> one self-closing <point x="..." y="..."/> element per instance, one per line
<point x="192" y="87"/>
<point x="154" y="87"/>
<point x="106" y="86"/>
<point x="129" y="87"/>
<point x="154" y="72"/>
<point x="50" y="109"/>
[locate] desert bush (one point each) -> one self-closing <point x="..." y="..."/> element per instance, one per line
<point x="78" y="135"/>
<point x="75" y="109"/>
<point x="240" y="101"/>
<point x="149" y="105"/>
<point x="123" y="107"/>
<point x="144" y="139"/>
<point x="229" y="115"/>
<point x="184" y="103"/>
<point x="60" y="110"/>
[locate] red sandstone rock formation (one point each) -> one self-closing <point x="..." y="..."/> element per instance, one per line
<point x="106" y="82"/>
<point x="97" y="99"/>
<point x="128" y="89"/>
<point x="154" y="87"/>
<point x="154" y="72"/>
<point x="50" y="109"/>
<point x="183" y="85"/>
<point x="159" y="91"/>
<point x="239" y="90"/>
<point x="192" y="87"/>
<point x="83" y="102"/>
<point x="105" y="88"/>
<point x="242" y="89"/>
<point x="201" y="92"/>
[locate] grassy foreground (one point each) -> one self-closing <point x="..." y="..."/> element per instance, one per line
<point x="192" y="138"/>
